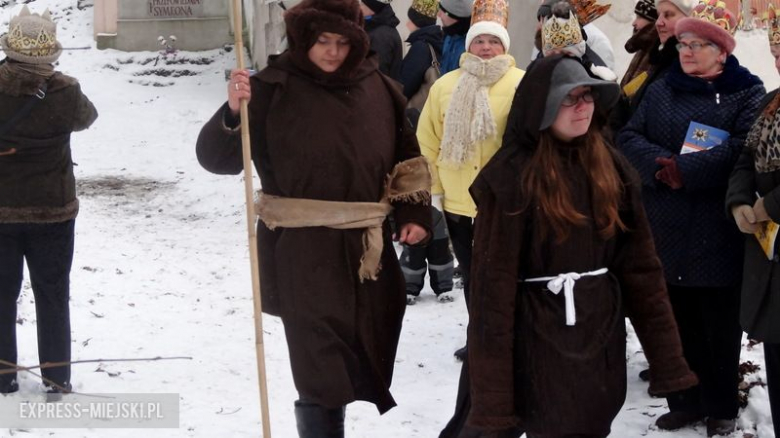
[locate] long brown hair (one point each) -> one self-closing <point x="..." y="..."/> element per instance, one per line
<point x="546" y="186"/>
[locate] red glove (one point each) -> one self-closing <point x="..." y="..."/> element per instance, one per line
<point x="669" y="174"/>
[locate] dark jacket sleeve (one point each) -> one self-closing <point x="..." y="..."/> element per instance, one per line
<point x="639" y="273"/>
<point x="219" y="147"/>
<point x="492" y="315"/>
<point x="633" y="142"/>
<point x="742" y="182"/>
<point x="84" y="113"/>
<point x="708" y="169"/>
<point x="415" y="64"/>
<point x="386" y="42"/>
<point x="406" y="149"/>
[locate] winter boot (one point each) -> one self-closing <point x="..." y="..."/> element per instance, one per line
<point x="55" y="394"/>
<point x="677" y="420"/>
<point x="720" y="427"/>
<point x="315" y="421"/>
<point x="9" y="387"/>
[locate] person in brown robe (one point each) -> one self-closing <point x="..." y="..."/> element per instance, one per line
<point x="563" y="253"/>
<point x="327" y="129"/>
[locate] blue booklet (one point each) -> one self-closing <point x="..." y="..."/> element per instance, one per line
<point x="702" y="137"/>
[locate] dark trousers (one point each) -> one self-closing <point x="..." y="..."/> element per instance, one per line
<point x="772" y="360"/>
<point x="48" y="250"/>
<point x="461" y="229"/>
<point x="708" y="320"/>
<point x="439" y="264"/>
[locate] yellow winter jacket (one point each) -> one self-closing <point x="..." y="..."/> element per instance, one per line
<point x="454" y="183"/>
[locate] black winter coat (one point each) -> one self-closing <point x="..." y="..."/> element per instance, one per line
<point x="418" y="59"/>
<point x="386" y="41"/>
<point x="698" y="244"/>
<point x="761" y="277"/>
<point x="36" y="170"/>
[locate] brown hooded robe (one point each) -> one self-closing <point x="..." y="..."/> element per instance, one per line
<point x="527" y="367"/>
<point x="331" y="137"/>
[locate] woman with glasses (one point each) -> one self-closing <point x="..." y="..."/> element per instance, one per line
<point x="562" y="254"/>
<point x="684" y="140"/>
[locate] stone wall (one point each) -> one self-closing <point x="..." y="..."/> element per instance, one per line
<point x="197" y="24"/>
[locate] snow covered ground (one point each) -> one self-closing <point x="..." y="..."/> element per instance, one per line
<point x="161" y="268"/>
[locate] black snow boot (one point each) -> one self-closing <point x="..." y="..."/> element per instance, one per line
<point x="315" y="421"/>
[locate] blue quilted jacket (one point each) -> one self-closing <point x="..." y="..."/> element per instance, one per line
<point x="454" y="46"/>
<point x="698" y="245"/>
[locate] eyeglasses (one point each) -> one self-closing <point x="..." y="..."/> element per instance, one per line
<point x="588" y="96"/>
<point x="694" y="47"/>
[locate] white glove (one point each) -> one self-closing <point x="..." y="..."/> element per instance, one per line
<point x="437" y="202"/>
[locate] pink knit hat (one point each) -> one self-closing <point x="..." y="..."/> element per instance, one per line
<point x="710" y="20"/>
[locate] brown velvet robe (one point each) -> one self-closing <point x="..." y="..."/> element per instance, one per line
<point x="527" y="367"/>
<point x="332" y="140"/>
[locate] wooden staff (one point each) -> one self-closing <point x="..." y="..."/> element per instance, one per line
<point x="251" y="222"/>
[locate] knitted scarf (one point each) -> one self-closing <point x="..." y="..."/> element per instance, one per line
<point x="762" y="138"/>
<point x="469" y="118"/>
<point x="9" y="69"/>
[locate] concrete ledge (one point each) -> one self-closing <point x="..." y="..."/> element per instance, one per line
<point x="105" y="41"/>
<point x="192" y="34"/>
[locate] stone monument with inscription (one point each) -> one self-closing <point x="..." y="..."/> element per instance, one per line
<point x="137" y="24"/>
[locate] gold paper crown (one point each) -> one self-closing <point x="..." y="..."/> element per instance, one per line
<point x="559" y="33"/>
<point x="588" y="10"/>
<point x="772" y="25"/>
<point x="429" y="8"/>
<point x="715" y="12"/>
<point x="32" y="34"/>
<point x="490" y="10"/>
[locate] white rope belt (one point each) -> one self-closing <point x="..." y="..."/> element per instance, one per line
<point x="566" y="281"/>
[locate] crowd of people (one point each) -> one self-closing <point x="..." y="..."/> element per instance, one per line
<point x="570" y="199"/>
<point x="566" y="207"/>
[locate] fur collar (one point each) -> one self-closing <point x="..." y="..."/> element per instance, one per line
<point x="27" y="85"/>
<point x="734" y="78"/>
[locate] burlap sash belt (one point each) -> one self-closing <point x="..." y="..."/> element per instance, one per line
<point x="410" y="181"/>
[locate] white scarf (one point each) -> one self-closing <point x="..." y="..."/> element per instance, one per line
<point x="469" y="118"/>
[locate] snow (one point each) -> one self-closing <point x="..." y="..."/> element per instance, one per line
<point x="162" y="269"/>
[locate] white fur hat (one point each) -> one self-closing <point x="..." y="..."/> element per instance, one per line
<point x="686" y="6"/>
<point x="489" y="17"/>
<point x="489" y="28"/>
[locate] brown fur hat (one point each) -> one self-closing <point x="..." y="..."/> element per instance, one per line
<point x="307" y="20"/>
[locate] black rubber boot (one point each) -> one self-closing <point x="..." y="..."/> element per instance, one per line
<point x="315" y="421"/>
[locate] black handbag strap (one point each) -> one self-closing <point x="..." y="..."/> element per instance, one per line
<point x="25" y="110"/>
